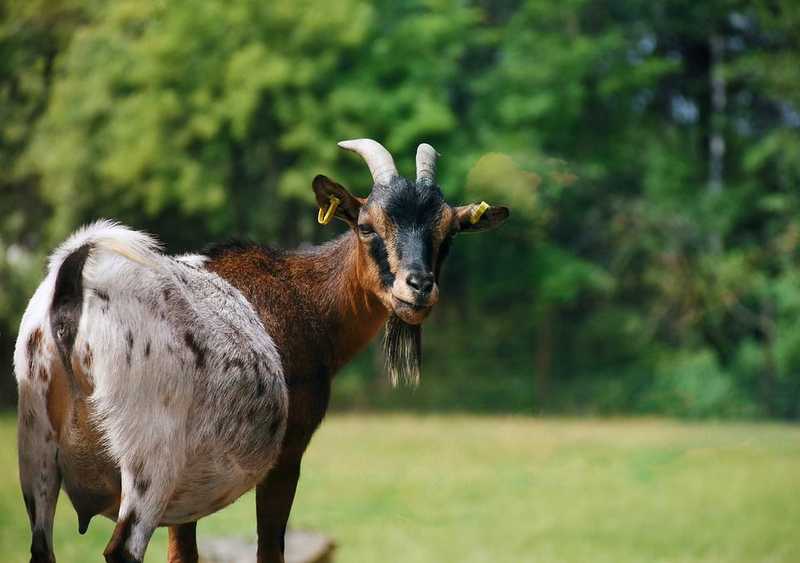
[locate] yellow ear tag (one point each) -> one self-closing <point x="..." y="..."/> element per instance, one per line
<point x="476" y="214"/>
<point x="324" y="217"/>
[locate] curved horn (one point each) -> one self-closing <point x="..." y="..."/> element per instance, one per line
<point x="426" y="162"/>
<point x="380" y="162"/>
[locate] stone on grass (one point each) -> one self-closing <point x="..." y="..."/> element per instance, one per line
<point x="302" y="546"/>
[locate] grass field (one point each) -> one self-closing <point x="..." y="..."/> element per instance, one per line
<point x="457" y="489"/>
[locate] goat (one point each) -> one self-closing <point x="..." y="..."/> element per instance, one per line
<point x="159" y="389"/>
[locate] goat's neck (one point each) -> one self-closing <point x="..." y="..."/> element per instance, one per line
<point x="310" y="300"/>
<point x="348" y="313"/>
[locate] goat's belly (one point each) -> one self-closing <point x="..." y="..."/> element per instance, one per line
<point x="208" y="487"/>
<point x="199" y="493"/>
<point x="227" y="454"/>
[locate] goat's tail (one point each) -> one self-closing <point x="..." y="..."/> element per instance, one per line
<point x="109" y="235"/>
<point x="67" y="264"/>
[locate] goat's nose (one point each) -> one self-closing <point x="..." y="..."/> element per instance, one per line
<point x="420" y="282"/>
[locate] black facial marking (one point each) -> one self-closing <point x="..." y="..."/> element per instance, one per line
<point x="444" y="250"/>
<point x="415" y="210"/>
<point x="409" y="204"/>
<point x="377" y="249"/>
<point x="415" y="247"/>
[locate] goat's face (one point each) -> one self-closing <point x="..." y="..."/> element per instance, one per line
<point x="404" y="231"/>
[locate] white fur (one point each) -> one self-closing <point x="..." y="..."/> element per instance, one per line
<point x="188" y="389"/>
<point x="196" y="260"/>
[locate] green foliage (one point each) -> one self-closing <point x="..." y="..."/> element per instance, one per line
<point x="629" y="278"/>
<point x="695" y="385"/>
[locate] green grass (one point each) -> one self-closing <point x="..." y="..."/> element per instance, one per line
<point x="469" y="489"/>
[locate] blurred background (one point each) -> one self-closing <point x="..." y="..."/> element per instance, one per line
<point x="650" y="152"/>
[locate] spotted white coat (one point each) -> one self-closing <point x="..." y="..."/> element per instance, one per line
<point x="181" y="382"/>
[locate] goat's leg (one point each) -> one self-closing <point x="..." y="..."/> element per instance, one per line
<point x="182" y="543"/>
<point x="38" y="471"/>
<point x="146" y="490"/>
<point x="274" y="497"/>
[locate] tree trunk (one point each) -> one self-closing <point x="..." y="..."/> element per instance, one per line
<point x="543" y="360"/>
<point x="716" y="138"/>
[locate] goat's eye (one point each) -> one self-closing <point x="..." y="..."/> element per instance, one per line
<point x="365" y="229"/>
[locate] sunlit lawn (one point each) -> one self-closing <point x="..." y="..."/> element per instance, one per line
<point x="406" y="488"/>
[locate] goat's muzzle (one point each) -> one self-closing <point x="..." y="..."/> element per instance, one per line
<point x="413" y="296"/>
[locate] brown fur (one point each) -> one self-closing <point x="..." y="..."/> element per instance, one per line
<point x="82" y="378"/>
<point x="182" y="546"/>
<point x="90" y="477"/>
<point x="34" y="341"/>
<point x="316" y="308"/>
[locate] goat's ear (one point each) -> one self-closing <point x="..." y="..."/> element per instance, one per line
<point x="349" y="205"/>
<point x="489" y="219"/>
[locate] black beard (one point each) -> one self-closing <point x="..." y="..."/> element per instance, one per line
<point x="402" y="351"/>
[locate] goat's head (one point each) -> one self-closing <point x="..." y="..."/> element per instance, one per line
<point x="404" y="229"/>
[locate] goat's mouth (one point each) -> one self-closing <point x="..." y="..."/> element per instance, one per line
<point x="410" y="313"/>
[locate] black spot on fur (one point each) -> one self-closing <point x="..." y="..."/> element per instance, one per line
<point x="198" y="350"/>
<point x="377" y="249"/>
<point x="147" y="349"/>
<point x="101" y="294"/>
<point x="259" y="387"/>
<point x="141" y="484"/>
<point x="65" y="311"/>
<point x="129" y="342"/>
